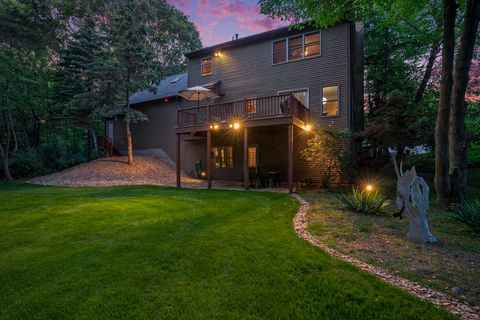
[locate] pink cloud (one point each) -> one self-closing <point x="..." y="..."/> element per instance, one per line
<point x="226" y="8"/>
<point x="261" y="24"/>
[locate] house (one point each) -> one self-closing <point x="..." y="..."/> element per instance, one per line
<point x="271" y="87"/>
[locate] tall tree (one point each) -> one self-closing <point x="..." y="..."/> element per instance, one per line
<point x="77" y="90"/>
<point x="442" y="179"/>
<point x="146" y="40"/>
<point x="458" y="131"/>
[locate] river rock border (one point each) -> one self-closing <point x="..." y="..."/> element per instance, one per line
<point x="461" y="309"/>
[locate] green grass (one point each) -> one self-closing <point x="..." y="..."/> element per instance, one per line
<point x="151" y="252"/>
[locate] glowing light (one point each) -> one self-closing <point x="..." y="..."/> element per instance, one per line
<point x="218" y="54"/>
<point x="215" y="127"/>
<point x="231" y="125"/>
<point x="203" y="173"/>
<point x="211" y="127"/>
<point x="308" y="127"/>
<point x="236" y="125"/>
<point x="369" y="187"/>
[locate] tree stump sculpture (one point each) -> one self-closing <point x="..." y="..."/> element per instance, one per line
<point x="413" y="199"/>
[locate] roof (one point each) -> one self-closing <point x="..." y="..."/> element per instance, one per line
<point x="272" y="34"/>
<point x="168" y="87"/>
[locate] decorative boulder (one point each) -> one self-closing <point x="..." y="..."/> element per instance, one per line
<point x="413" y="199"/>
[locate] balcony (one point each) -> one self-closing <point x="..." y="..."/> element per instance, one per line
<point x="255" y="111"/>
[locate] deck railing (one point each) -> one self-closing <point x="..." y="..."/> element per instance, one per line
<point x="254" y="108"/>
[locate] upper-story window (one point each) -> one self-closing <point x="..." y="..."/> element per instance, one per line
<point x="296" y="48"/>
<point x="207" y="66"/>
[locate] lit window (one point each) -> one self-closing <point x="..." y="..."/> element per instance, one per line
<point x="296" y="48"/>
<point x="312" y="44"/>
<point x="280" y="51"/>
<point x="222" y="157"/>
<point x="206" y="66"/>
<point x="252" y="157"/>
<point x="251" y="105"/>
<point x="330" y="101"/>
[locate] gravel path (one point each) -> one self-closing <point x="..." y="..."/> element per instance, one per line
<point x="461" y="309"/>
<point x="115" y="171"/>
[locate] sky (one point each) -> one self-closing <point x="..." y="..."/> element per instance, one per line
<point x="218" y="20"/>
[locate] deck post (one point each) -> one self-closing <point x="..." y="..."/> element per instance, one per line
<point x="245" y="159"/>
<point x="209" y="159"/>
<point x="177" y="159"/>
<point x="290" y="158"/>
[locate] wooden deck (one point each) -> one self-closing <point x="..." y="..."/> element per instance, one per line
<point x="261" y="108"/>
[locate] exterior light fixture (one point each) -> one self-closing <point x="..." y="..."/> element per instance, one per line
<point x="215" y="127"/>
<point x="211" y="126"/>
<point x="203" y="173"/>
<point x="307" y="127"/>
<point x="369" y="187"/>
<point x="218" y="54"/>
<point x="230" y="125"/>
<point x="236" y="125"/>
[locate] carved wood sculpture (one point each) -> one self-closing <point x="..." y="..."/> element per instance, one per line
<point x="413" y="199"/>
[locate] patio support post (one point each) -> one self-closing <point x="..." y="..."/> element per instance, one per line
<point x="290" y="158"/>
<point x="245" y="159"/>
<point x="209" y="159"/>
<point x="177" y="160"/>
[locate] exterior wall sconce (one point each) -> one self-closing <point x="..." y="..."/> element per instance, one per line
<point x="214" y="126"/>
<point x="218" y="54"/>
<point x="307" y="127"/>
<point x="236" y="125"/>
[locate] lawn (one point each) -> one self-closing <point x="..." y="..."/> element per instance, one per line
<point x="452" y="265"/>
<point x="152" y="252"/>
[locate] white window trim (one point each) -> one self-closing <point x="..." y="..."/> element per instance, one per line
<point x="303" y="47"/>
<point x="338" y="99"/>
<point x="201" y="66"/>
<point x="298" y="89"/>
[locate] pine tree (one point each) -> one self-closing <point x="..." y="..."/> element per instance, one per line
<point x="77" y="88"/>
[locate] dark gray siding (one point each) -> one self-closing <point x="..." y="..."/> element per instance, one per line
<point x="248" y="71"/>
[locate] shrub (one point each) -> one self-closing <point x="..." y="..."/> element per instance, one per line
<point x="469" y="213"/>
<point x="474" y="153"/>
<point x="26" y="163"/>
<point x="366" y="202"/>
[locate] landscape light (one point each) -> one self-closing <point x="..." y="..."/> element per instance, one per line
<point x="369" y="187"/>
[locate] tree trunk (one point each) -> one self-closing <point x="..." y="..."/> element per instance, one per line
<point x="428" y="71"/>
<point x="442" y="179"/>
<point x="458" y="129"/>
<point x="129" y="142"/>
<point x="89" y="144"/>
<point x="6" y="150"/>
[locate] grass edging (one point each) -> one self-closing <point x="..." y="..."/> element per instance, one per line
<point x="461" y="309"/>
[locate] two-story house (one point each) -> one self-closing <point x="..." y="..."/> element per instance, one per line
<point x="273" y="87"/>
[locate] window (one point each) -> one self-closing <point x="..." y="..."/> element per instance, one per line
<point x="251" y="105"/>
<point x="295" y="48"/>
<point x="280" y="51"/>
<point x="300" y="94"/>
<point x="206" y="66"/>
<point x="299" y="47"/>
<point x="330" y="101"/>
<point x="222" y="157"/>
<point x="252" y="157"/>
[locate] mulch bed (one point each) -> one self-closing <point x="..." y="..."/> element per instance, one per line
<point x="461" y="309"/>
<point x="114" y="172"/>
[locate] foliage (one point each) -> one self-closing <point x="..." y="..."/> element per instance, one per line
<point x="469" y="213"/>
<point x="474" y="153"/>
<point x="59" y="75"/>
<point x="422" y="162"/>
<point x="366" y="202"/>
<point x="322" y="152"/>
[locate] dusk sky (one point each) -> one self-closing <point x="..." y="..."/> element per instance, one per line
<point x="218" y="20"/>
